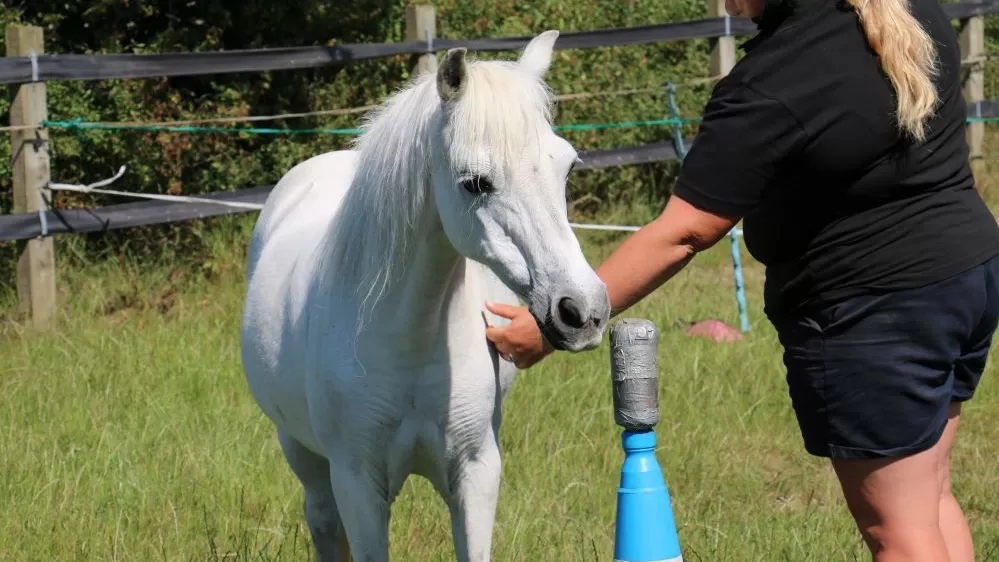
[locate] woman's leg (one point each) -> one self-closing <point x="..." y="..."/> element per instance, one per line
<point x="904" y="507"/>
<point x="953" y="524"/>
<point x="896" y="504"/>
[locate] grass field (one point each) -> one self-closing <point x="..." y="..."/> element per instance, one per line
<point x="130" y="435"/>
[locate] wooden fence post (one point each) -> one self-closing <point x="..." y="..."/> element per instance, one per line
<point x="421" y="25"/>
<point x="36" y="283"/>
<point x="723" y="48"/>
<point x="972" y="39"/>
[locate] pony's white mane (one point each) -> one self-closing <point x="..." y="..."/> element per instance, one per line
<point x="368" y="242"/>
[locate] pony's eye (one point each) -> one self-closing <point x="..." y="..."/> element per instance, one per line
<point x="477" y="185"/>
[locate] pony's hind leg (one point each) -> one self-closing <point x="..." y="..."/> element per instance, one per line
<point x="321" y="513"/>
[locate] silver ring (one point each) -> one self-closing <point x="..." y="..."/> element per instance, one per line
<point x="509" y="357"/>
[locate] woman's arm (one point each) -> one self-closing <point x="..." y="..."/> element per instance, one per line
<point x="645" y="260"/>
<point x="659" y="251"/>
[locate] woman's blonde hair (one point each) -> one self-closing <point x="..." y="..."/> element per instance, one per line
<point x="908" y="57"/>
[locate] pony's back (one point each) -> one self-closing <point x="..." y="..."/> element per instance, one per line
<point x="304" y="200"/>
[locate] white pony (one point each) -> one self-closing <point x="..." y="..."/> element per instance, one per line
<point x="363" y="333"/>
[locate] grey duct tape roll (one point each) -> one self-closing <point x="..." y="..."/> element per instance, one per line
<point x="634" y="373"/>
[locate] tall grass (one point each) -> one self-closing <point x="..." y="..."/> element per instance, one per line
<point x="129" y="434"/>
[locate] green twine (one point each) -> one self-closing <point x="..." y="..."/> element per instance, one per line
<point x="78" y="125"/>
<point x="624" y="124"/>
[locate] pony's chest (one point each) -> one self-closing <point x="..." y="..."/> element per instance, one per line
<point x="413" y="405"/>
<point x="390" y="394"/>
<point x="405" y="421"/>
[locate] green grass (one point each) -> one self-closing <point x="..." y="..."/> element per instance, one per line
<point x="130" y="435"/>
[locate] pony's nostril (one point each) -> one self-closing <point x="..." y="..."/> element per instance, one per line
<point x="569" y="313"/>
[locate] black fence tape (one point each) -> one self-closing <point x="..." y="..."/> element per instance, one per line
<point x="23" y="226"/>
<point x="16" y="70"/>
<point x="103" y="67"/>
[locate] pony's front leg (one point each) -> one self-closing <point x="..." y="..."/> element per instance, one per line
<point x="473" y="499"/>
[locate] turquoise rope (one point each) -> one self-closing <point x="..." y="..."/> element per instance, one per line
<point x="675" y="122"/>
<point x="79" y="124"/>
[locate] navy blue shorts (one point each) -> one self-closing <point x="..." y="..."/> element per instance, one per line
<point x="873" y="376"/>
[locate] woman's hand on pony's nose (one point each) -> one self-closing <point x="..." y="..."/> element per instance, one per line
<point x="520" y="342"/>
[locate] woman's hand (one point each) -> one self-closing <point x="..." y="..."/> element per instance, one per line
<point x="521" y="341"/>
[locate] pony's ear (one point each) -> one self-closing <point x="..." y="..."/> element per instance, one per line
<point x="537" y="55"/>
<point x="451" y="74"/>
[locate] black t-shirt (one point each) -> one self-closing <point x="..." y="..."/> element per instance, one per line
<point x="800" y="140"/>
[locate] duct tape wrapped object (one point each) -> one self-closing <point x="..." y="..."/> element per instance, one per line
<point x="634" y="373"/>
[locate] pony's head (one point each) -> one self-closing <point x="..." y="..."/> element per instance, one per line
<point x="499" y="180"/>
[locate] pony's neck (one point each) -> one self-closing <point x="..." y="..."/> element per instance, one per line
<point x="414" y="311"/>
<point x="386" y="244"/>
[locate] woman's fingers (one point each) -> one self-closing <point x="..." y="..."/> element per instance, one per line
<point x="520" y="341"/>
<point x="505" y="310"/>
<point x="496" y="334"/>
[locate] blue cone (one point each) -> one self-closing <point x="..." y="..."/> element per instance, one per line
<point x="645" y="530"/>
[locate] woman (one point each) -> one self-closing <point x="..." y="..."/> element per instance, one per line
<point x="839" y="140"/>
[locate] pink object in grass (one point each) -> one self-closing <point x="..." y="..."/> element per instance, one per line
<point x="715" y="330"/>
